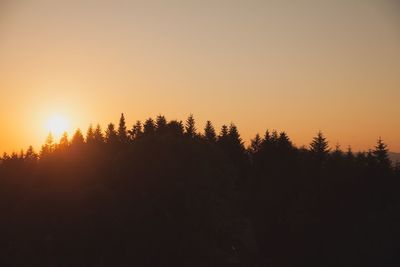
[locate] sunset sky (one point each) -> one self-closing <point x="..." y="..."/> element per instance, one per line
<point x="298" y="66"/>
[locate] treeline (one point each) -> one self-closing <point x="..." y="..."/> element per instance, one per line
<point x="162" y="193"/>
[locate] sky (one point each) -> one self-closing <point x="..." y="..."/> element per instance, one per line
<point x="298" y="66"/>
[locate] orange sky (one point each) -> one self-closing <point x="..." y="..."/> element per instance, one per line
<point x="300" y="67"/>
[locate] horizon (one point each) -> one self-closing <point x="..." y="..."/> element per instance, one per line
<point x="58" y="132"/>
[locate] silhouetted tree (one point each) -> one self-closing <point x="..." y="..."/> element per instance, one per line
<point x="98" y="135"/>
<point x="255" y="144"/>
<point x="122" y="133"/>
<point x="381" y="154"/>
<point x="149" y="127"/>
<point x="30" y="154"/>
<point x="161" y="123"/>
<point x="223" y="135"/>
<point x="175" y="128"/>
<point x="64" y="142"/>
<point x="209" y="132"/>
<point x="190" y="128"/>
<point x="48" y="146"/>
<point x="319" y="147"/>
<point x="77" y="138"/>
<point x="136" y="131"/>
<point x="111" y="134"/>
<point x="90" y="138"/>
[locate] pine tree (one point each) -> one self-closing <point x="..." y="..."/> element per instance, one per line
<point x="77" y="138"/>
<point x="190" y="127"/>
<point x="136" y="131"/>
<point x="209" y="132"/>
<point x="161" y="123"/>
<point x="30" y="154"/>
<point x="98" y="135"/>
<point x="283" y="141"/>
<point x="175" y="128"/>
<point x="122" y="133"/>
<point x="255" y="144"/>
<point x="319" y="147"/>
<point x="234" y="135"/>
<point x="111" y="134"/>
<point x="64" y="142"/>
<point x="381" y="154"/>
<point x="224" y="133"/>
<point x="149" y="127"/>
<point x="48" y="146"/>
<point x="90" y="135"/>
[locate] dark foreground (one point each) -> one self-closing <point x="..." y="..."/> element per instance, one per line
<point x="164" y="195"/>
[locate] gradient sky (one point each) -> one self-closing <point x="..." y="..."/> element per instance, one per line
<point x="299" y="66"/>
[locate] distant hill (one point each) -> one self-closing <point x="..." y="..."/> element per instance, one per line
<point x="394" y="157"/>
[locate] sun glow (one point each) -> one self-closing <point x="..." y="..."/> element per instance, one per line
<point x="56" y="125"/>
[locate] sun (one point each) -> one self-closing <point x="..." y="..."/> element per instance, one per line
<point x="57" y="125"/>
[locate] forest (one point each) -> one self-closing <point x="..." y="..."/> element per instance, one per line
<point x="164" y="193"/>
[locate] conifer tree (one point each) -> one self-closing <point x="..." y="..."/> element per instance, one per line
<point x="77" y="138"/>
<point x="98" y="135"/>
<point x="122" y="133"/>
<point x="224" y="133"/>
<point x="136" y="131"/>
<point x="111" y="134"/>
<point x="283" y="141"/>
<point x="161" y="123"/>
<point x="209" y="132"/>
<point x="90" y="135"/>
<point x="149" y="127"/>
<point x="48" y="146"/>
<point x="175" y="127"/>
<point x="255" y="144"/>
<point x="234" y="136"/>
<point x="190" y="127"/>
<point x="30" y="154"/>
<point x="319" y="147"/>
<point x="64" y="142"/>
<point x="381" y="154"/>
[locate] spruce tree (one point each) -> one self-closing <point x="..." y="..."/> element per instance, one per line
<point x="136" y="131"/>
<point x="30" y="154"/>
<point x="319" y="147"/>
<point x="90" y="135"/>
<point x="283" y="141"/>
<point x="149" y="127"/>
<point x="209" y="132"/>
<point x="48" y="146"/>
<point x="255" y="144"/>
<point x="381" y="154"/>
<point x="111" y="134"/>
<point x="64" y="142"/>
<point x="122" y="133"/>
<point x="224" y="133"/>
<point x="161" y="123"/>
<point x="190" y="128"/>
<point x="175" y="128"/>
<point x="77" y="138"/>
<point x="234" y="136"/>
<point x="98" y="135"/>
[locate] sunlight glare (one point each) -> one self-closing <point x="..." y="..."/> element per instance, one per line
<point x="57" y="125"/>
